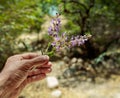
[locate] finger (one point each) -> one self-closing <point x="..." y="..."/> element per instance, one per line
<point x="35" y="61"/>
<point x="29" y="55"/>
<point x="39" y="71"/>
<point x="24" y="56"/>
<point x="39" y="65"/>
<point x="35" y="78"/>
<point x="48" y="64"/>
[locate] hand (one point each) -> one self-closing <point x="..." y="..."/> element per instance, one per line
<point x="18" y="72"/>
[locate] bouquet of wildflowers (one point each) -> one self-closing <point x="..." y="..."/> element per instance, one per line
<point x="62" y="40"/>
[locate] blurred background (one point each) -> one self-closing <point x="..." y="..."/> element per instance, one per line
<point x="89" y="71"/>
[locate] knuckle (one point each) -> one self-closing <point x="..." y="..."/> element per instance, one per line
<point x="27" y="64"/>
<point x="10" y="58"/>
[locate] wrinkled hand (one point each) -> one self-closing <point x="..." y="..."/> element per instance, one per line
<point x="19" y="71"/>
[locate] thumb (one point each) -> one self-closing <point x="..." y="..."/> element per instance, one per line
<point x="37" y="60"/>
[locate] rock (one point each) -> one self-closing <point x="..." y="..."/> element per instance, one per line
<point x="79" y="65"/>
<point x="56" y="94"/>
<point x="66" y="59"/>
<point x="73" y="65"/>
<point x="79" y="60"/>
<point x="61" y="63"/>
<point x="52" y="82"/>
<point x="67" y="73"/>
<point x="74" y="60"/>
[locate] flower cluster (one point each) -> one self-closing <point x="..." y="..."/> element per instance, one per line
<point x="54" y="28"/>
<point x="62" y="41"/>
<point x="78" y="40"/>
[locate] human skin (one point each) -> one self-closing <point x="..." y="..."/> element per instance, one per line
<point x="21" y="70"/>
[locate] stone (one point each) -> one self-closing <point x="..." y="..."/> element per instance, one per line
<point x="56" y="93"/>
<point x="74" y="60"/>
<point x="61" y="63"/>
<point x="79" y="60"/>
<point x="52" y="82"/>
<point x="66" y="59"/>
<point x="73" y="65"/>
<point x="67" y="73"/>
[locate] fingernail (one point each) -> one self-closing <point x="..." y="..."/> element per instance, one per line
<point x="49" y="69"/>
<point x="50" y="63"/>
<point x="47" y="57"/>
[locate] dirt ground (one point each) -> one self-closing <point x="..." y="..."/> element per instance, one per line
<point x="101" y="89"/>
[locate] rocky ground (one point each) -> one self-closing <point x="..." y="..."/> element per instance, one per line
<point x="73" y="87"/>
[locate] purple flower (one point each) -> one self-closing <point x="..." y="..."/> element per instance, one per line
<point x="53" y="44"/>
<point x="78" y="40"/>
<point x="58" y="20"/>
<point x="57" y="48"/>
<point x="72" y="38"/>
<point x="57" y="38"/>
<point x="50" y="30"/>
<point x="57" y="29"/>
<point x="79" y="43"/>
<point x="73" y="43"/>
<point x="54" y="28"/>
<point x="63" y="40"/>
